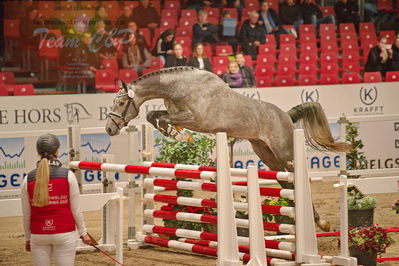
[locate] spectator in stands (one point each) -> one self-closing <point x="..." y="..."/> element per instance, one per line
<point x="238" y="4"/>
<point x="177" y="59"/>
<point x="379" y="58"/>
<point x="200" y="4"/>
<point x="347" y="11"/>
<point x="248" y="78"/>
<point x="252" y="35"/>
<point x="291" y="14"/>
<point x="395" y="55"/>
<point x="228" y="30"/>
<point x="199" y="59"/>
<point x="136" y="55"/>
<point x="203" y="31"/>
<point x="233" y="76"/>
<point x="100" y="14"/>
<point x="132" y="28"/>
<point x="29" y="24"/>
<point x="164" y="45"/>
<point x="312" y="14"/>
<point x="125" y="18"/>
<point x="102" y="43"/>
<point x="271" y="21"/>
<point x="146" y="15"/>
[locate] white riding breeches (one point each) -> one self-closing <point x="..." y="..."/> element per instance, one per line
<point x="60" y="246"/>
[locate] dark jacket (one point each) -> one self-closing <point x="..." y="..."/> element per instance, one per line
<point x="195" y="63"/>
<point x="205" y="33"/>
<point x="273" y="15"/>
<point x="395" y="59"/>
<point x="248" y="78"/>
<point x="234" y="80"/>
<point x="346" y="13"/>
<point x="374" y="63"/>
<point x="144" y="16"/>
<point x="290" y="14"/>
<point x="93" y="21"/>
<point x="172" y="61"/>
<point x="308" y="10"/>
<point x="123" y="21"/>
<point x="250" y="34"/>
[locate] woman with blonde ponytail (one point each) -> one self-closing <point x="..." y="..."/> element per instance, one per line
<point x="50" y="204"/>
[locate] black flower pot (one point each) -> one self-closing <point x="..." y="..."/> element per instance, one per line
<point x="363" y="257"/>
<point x="362" y="217"/>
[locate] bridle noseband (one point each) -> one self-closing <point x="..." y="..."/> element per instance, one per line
<point x="121" y="116"/>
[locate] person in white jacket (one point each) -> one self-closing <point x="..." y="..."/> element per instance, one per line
<point x="50" y="206"/>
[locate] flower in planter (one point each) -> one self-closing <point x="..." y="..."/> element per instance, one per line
<point x="356" y="200"/>
<point x="395" y="205"/>
<point x="369" y="239"/>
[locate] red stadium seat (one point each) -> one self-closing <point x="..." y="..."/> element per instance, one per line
<point x="273" y="4"/>
<point x="156" y="63"/>
<point x="308" y="58"/>
<point x="288" y="49"/>
<point x="350" y="46"/>
<point x="105" y="81"/>
<point x="346" y="28"/>
<point x="265" y="59"/>
<point x="127" y="75"/>
<point x="271" y="39"/>
<point x="169" y="14"/>
<point x="213" y="12"/>
<point x="366" y="27"/>
<point x="267" y="48"/>
<point x="385" y="5"/>
<point x="365" y="37"/>
<point x="306" y="28"/>
<point x="146" y="33"/>
<point x="157" y="5"/>
<point x="351" y="66"/>
<point x="348" y="36"/>
<point x="187" y="22"/>
<point x="328" y="78"/>
<point x="348" y="78"/>
<point x="219" y="70"/>
<point x="46" y="8"/>
<point x="172" y="4"/>
<point x="327" y="29"/>
<point x="168" y="23"/>
<point x="264" y="81"/>
<point x="308" y="69"/>
<point x="223" y="50"/>
<point x="184" y="31"/>
<point x="254" y="4"/>
<point x="132" y="4"/>
<point x="287" y="58"/>
<point x="265" y="70"/>
<point x="285" y="80"/>
<point x="329" y="68"/>
<point x="246" y="11"/>
<point x="248" y="61"/>
<point x="112" y="9"/>
<point x="307" y="79"/>
<point x="220" y="61"/>
<point x="307" y="38"/>
<point x="372" y="77"/>
<point x="233" y="12"/>
<point x="287" y="39"/>
<point x="286" y="70"/>
<point x="351" y="56"/>
<point x="188" y="13"/>
<point x="329" y="47"/>
<point x="24" y="90"/>
<point x="112" y="65"/>
<point x="328" y="57"/>
<point x="327" y="10"/>
<point x="11" y="28"/>
<point x="309" y="48"/>
<point x="389" y="34"/>
<point x="184" y="41"/>
<point x="392" y="76"/>
<point x="3" y="90"/>
<point x="7" y="78"/>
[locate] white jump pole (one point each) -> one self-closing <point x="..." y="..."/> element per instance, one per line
<point x="256" y="231"/>
<point x="306" y="243"/>
<point x="226" y="224"/>
<point x="74" y="144"/>
<point x="109" y="210"/>
<point x="119" y="228"/>
<point x="147" y="154"/>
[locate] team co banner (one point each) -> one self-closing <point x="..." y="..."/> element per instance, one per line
<point x="45" y="113"/>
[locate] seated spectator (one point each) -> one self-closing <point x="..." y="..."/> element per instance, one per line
<point x="248" y="78"/>
<point x="199" y="59"/>
<point x="312" y="14"/>
<point x="203" y="31"/>
<point x="100" y="15"/>
<point x="238" y="4"/>
<point x="164" y="45"/>
<point x="146" y="15"/>
<point x="136" y="55"/>
<point x="125" y="18"/>
<point x="177" y="59"/>
<point x="252" y="35"/>
<point x="233" y="76"/>
<point x="379" y="58"/>
<point x="271" y="21"/>
<point x="200" y="4"/>
<point x="29" y="24"/>
<point x="291" y="14"/>
<point x="395" y="55"/>
<point x="228" y="30"/>
<point x="102" y="43"/>
<point x="83" y="62"/>
<point x="347" y="11"/>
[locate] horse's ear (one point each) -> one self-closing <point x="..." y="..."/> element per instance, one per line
<point x="122" y="85"/>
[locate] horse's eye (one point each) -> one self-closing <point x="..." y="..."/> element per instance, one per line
<point x="121" y="103"/>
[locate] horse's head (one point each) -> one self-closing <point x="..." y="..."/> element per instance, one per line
<point x="123" y="110"/>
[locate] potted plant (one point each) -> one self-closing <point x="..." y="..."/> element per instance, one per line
<point x="366" y="242"/>
<point x="197" y="151"/>
<point x="360" y="206"/>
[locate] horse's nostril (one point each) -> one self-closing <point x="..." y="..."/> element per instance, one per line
<point x="109" y="130"/>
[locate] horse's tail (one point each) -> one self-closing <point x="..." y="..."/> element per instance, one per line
<point x="317" y="130"/>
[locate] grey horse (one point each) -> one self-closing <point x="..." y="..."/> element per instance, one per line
<point x="200" y="101"/>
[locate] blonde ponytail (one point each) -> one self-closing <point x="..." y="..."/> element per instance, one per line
<point x="40" y="192"/>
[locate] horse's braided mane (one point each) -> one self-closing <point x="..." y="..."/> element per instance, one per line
<point x="163" y="71"/>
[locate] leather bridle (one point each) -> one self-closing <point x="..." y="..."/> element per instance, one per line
<point x="121" y="116"/>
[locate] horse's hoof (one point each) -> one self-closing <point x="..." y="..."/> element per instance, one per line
<point x="323" y="225"/>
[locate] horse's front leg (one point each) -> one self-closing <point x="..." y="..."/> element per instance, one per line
<point x="161" y="121"/>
